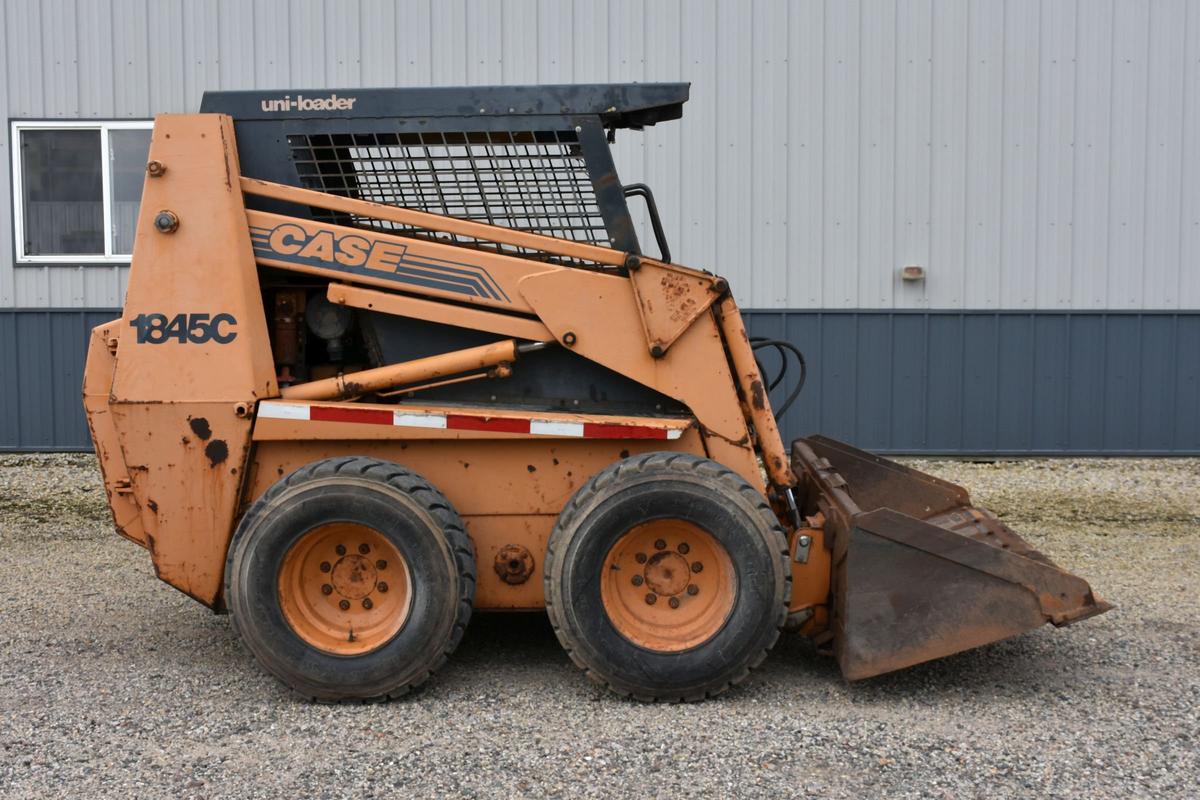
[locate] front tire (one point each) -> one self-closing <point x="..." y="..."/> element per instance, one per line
<point x="351" y="579"/>
<point x="667" y="577"/>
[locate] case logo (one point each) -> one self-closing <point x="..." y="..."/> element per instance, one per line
<point x="344" y="251"/>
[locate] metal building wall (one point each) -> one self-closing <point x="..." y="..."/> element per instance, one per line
<point x="1037" y="157"/>
<point x="1030" y="154"/>
<point x="895" y="382"/>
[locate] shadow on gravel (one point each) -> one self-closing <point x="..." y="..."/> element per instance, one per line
<point x="520" y="634"/>
<point x="1031" y="666"/>
<point x="515" y="652"/>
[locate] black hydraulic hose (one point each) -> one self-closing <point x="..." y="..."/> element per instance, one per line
<point x="757" y="343"/>
<point x="783" y="366"/>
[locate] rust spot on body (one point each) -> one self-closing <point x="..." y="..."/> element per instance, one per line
<point x="200" y="427"/>
<point x="217" y="451"/>
<point x="757" y="395"/>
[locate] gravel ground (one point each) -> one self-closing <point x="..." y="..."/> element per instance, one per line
<point x="113" y="684"/>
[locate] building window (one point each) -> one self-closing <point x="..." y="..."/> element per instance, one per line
<point x="76" y="189"/>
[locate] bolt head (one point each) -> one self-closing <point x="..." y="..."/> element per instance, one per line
<point x="805" y="541"/>
<point x="325" y="567"/>
<point x="673" y="602"/>
<point x="641" y="558"/>
<point x="660" y="544"/>
<point x="364" y="548"/>
<point x="697" y="566"/>
<point x="367" y="604"/>
<point x="326" y="589"/>
<point x="683" y="548"/>
<point x="382" y="586"/>
<point x="693" y="589"/>
<point x="381" y="564"/>
<point x="637" y="580"/>
<point x="344" y="605"/>
<point x="651" y="598"/>
<point x="340" y="549"/>
<point x="166" y="222"/>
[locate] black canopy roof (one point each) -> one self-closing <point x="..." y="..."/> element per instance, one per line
<point x="619" y="105"/>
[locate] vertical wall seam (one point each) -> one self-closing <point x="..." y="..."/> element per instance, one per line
<point x="1147" y="146"/>
<point x="1003" y="149"/>
<point x="933" y="69"/>
<point x="1183" y="155"/>
<point x="1075" y="158"/>
<point x="966" y="180"/>
<point x="925" y="381"/>
<point x="1037" y="162"/>
<point x="1112" y="78"/>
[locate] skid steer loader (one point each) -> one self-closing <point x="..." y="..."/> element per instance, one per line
<point x="388" y="356"/>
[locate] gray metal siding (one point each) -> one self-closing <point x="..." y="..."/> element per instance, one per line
<point x="1031" y="154"/>
<point x="896" y="382"/>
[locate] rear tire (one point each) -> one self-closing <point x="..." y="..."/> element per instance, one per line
<point x="626" y="571"/>
<point x="351" y="579"/>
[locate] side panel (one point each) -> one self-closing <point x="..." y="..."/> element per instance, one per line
<point x="97" y="381"/>
<point x="508" y="491"/>
<point x="193" y="328"/>
<point x="601" y="315"/>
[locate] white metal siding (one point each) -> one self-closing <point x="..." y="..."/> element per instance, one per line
<point x="1030" y="154"/>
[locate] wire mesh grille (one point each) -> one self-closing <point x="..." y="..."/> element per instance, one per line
<point x="526" y="180"/>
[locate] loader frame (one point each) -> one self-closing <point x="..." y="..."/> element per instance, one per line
<point x="198" y="420"/>
<point x="671" y="328"/>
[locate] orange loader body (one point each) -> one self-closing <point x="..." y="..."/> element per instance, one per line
<point x="194" y="422"/>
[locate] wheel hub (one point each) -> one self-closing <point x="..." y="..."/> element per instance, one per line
<point x="354" y="577"/>
<point x="668" y="585"/>
<point x="345" y="588"/>
<point x="667" y="573"/>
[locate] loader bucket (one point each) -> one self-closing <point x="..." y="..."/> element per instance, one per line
<point x="918" y="572"/>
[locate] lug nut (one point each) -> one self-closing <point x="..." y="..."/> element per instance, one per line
<point x="693" y="589"/>
<point x="367" y="603"/>
<point x="381" y="586"/>
<point x="637" y="580"/>
<point x="325" y="566"/>
<point x="364" y="548"/>
<point x="326" y="589"/>
<point x="344" y="605"/>
<point x="683" y="548"/>
<point x="673" y="602"/>
<point x="697" y="566"/>
<point x="381" y="564"/>
<point x="659" y="544"/>
<point x="651" y="598"/>
<point x="340" y="549"/>
<point x="641" y="558"/>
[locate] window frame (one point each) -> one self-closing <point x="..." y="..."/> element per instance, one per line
<point x="16" y="128"/>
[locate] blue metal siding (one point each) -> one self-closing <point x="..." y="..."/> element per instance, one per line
<point x="959" y="383"/>
<point x="942" y="382"/>
<point x="41" y="375"/>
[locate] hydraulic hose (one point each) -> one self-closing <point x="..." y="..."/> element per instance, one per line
<point x="782" y="347"/>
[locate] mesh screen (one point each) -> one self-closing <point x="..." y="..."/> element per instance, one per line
<point x="528" y="180"/>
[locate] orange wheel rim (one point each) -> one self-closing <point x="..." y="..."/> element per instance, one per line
<point x="345" y="588"/>
<point x="668" y="585"/>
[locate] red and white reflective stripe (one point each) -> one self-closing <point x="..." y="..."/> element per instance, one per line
<point x="465" y="422"/>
